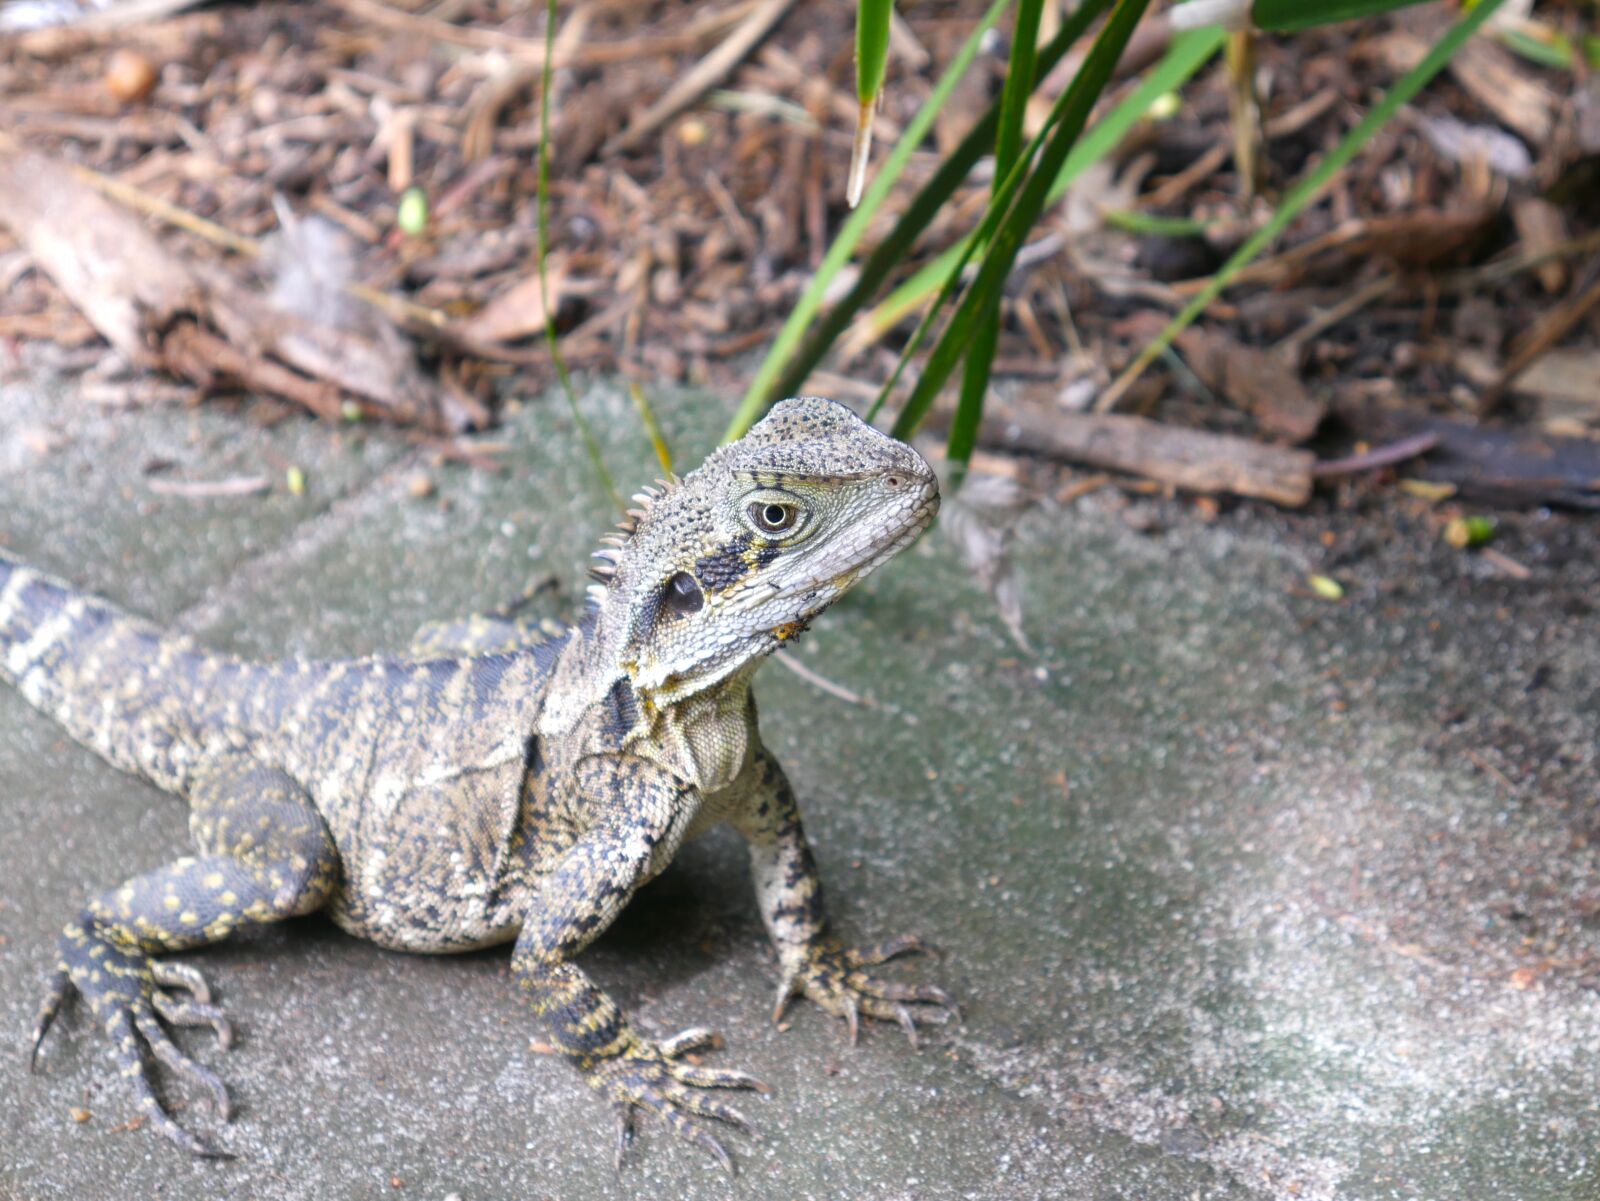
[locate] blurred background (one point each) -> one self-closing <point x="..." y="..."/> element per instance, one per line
<point x="1255" y="222"/>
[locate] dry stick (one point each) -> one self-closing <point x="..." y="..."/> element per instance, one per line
<point x="1185" y="458"/>
<point x="1382" y="456"/>
<point x="706" y="74"/>
<point x="822" y="682"/>
<point x="1547" y="331"/>
<point x="1330" y="317"/>
<point x="199" y="353"/>
<point x="1504" y="268"/>
<point x="241" y="485"/>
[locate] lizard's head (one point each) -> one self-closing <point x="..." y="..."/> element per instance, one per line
<point x="728" y="564"/>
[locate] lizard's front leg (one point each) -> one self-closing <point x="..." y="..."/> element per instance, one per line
<point x="643" y="812"/>
<point x="790" y="894"/>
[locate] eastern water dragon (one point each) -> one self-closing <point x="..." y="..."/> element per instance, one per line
<point x="493" y="784"/>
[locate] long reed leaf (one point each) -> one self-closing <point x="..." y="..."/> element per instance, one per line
<point x="872" y="62"/>
<point x="785" y="368"/>
<point x="542" y="250"/>
<point x="1187" y="53"/>
<point x="761" y="391"/>
<point x="1071" y="114"/>
<point x="1008" y="141"/>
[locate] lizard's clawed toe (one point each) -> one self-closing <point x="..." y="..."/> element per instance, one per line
<point x="650" y="1078"/>
<point x="125" y="992"/>
<point x="833" y="977"/>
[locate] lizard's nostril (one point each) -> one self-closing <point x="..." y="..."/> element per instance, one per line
<point x="893" y="481"/>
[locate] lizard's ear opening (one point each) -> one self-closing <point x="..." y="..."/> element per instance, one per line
<point x="681" y="596"/>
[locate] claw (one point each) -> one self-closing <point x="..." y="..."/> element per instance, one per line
<point x="195" y="1013"/>
<point x="703" y="1140"/>
<point x="707" y="1107"/>
<point x="120" y="1028"/>
<point x="625" y="1135"/>
<point x="903" y="1016"/>
<point x="695" y="1038"/>
<point x="168" y="1053"/>
<point x="59" y="988"/>
<point x="703" y="1077"/>
<point x="786" y="993"/>
<point x="169" y="974"/>
<point x="852" y="1017"/>
<point x="890" y="948"/>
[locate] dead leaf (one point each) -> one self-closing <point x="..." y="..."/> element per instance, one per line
<point x="518" y="312"/>
<point x="1566" y="384"/>
<point x="980" y="517"/>
<point x="1255" y="380"/>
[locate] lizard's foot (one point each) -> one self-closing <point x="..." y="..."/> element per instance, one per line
<point x="129" y="995"/>
<point x="654" y="1077"/>
<point x="834" y="978"/>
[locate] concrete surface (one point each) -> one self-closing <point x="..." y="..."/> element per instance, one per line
<point x="1249" y="895"/>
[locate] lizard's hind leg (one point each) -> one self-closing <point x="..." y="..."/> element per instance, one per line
<point x="265" y="855"/>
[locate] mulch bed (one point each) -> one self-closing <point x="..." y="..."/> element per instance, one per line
<point x="1451" y="277"/>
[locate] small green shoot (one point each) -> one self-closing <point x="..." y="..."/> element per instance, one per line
<point x="872" y="61"/>
<point x="1464" y="533"/>
<point x="412" y="215"/>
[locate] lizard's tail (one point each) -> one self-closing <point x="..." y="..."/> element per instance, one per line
<point x="118" y="684"/>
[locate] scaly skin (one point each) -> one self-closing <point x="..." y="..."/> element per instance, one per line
<point x="504" y="783"/>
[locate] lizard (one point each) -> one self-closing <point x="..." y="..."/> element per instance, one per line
<point x="498" y="782"/>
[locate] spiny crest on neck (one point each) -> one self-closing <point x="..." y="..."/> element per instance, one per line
<point x="612" y="542"/>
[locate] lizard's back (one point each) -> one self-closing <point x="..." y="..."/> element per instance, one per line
<point x="418" y="768"/>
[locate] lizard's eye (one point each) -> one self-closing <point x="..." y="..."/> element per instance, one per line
<point x="772" y="517"/>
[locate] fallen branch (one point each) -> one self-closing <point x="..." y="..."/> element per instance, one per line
<point x="1185" y="458"/>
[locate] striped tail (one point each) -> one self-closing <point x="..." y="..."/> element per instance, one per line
<point x="118" y="684"/>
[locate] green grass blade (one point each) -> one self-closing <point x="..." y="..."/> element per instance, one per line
<point x="1073" y="110"/>
<point x="1008" y="142"/>
<point x="652" y="428"/>
<point x="1187" y="53"/>
<point x="785" y="368"/>
<point x="1309" y="188"/>
<point x="872" y="47"/>
<point x="543" y="249"/>
<point x="1289" y="16"/>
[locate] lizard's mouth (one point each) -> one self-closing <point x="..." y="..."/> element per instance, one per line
<point x="829" y="581"/>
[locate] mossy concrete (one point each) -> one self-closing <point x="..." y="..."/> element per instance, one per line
<point x="1248" y="894"/>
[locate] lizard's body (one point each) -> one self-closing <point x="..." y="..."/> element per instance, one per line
<point x="519" y="790"/>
